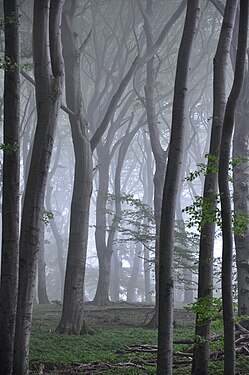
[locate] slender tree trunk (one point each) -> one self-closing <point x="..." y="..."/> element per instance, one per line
<point x="240" y="197"/>
<point x="205" y="269"/>
<point x="158" y="152"/>
<point x="42" y="288"/>
<point x="59" y="242"/>
<point x="71" y="320"/>
<point x="49" y="79"/>
<point x="176" y="146"/>
<point x="115" y="277"/>
<point x="10" y="199"/>
<point x="227" y="232"/>
<point x="136" y="268"/>
<point x="103" y="250"/>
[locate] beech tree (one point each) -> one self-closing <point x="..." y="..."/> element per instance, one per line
<point x="225" y="198"/>
<point x="11" y="193"/>
<point x="71" y="319"/>
<point x="48" y="69"/>
<point x="205" y="267"/>
<point x="166" y="284"/>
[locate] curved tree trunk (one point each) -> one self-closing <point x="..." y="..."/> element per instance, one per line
<point x="49" y="79"/>
<point x="11" y="193"/>
<point x="226" y="211"/>
<point x="176" y="147"/>
<point x="240" y="197"/>
<point x="205" y="269"/>
<point x="71" y="320"/>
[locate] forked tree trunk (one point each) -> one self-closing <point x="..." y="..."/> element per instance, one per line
<point x="205" y="268"/>
<point x="71" y="320"/>
<point x="49" y="79"/>
<point x="176" y="147"/>
<point x="226" y="211"/>
<point x="10" y="199"/>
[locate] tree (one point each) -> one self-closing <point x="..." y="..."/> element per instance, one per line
<point x="71" y="319"/>
<point x="205" y="269"/>
<point x="11" y="193"/>
<point x="225" y="198"/>
<point x="48" y="68"/>
<point x="166" y="284"/>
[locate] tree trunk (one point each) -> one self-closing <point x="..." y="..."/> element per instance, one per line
<point x="176" y="146"/>
<point x="71" y="320"/>
<point x="240" y="197"/>
<point x="226" y="211"/>
<point x="205" y="269"/>
<point x="103" y="250"/>
<point x="49" y="79"/>
<point x="42" y="289"/>
<point x="115" y="277"/>
<point x="11" y="193"/>
<point x="136" y="268"/>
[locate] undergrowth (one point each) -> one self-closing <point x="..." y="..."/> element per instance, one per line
<point x="61" y="354"/>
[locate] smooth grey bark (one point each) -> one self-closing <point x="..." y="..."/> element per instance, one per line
<point x="158" y="152"/>
<point x="10" y="189"/>
<point x="52" y="222"/>
<point x="71" y="319"/>
<point x="200" y="364"/>
<point x="136" y="268"/>
<point x="226" y="210"/>
<point x="115" y="277"/>
<point x="176" y="147"/>
<point x="240" y="197"/>
<point x="48" y="69"/>
<point x="59" y="241"/>
<point x="42" y="287"/>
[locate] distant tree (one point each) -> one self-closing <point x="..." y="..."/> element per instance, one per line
<point x="11" y="193"/>
<point x="48" y="70"/>
<point x="225" y="198"/>
<point x="166" y="246"/>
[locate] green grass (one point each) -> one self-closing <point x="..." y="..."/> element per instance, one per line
<point x="58" y="352"/>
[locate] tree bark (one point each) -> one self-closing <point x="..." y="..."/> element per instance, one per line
<point x="42" y="288"/>
<point x="205" y="269"/>
<point x="240" y="198"/>
<point x="226" y="211"/>
<point x="11" y="193"/>
<point x="71" y="320"/>
<point x="49" y="79"/>
<point x="176" y="146"/>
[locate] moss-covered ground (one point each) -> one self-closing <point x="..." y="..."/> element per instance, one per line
<point x="115" y="328"/>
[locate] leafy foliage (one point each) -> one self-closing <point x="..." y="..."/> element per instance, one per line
<point x="47" y="216"/>
<point x="8" y="149"/>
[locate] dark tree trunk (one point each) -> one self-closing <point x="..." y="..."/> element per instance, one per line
<point x="176" y="147"/>
<point x="240" y="197"/>
<point x="226" y="211"/>
<point x="71" y="320"/>
<point x="10" y="199"/>
<point x="49" y="79"/>
<point x="205" y="269"/>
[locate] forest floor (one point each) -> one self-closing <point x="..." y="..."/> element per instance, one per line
<point x="118" y="343"/>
